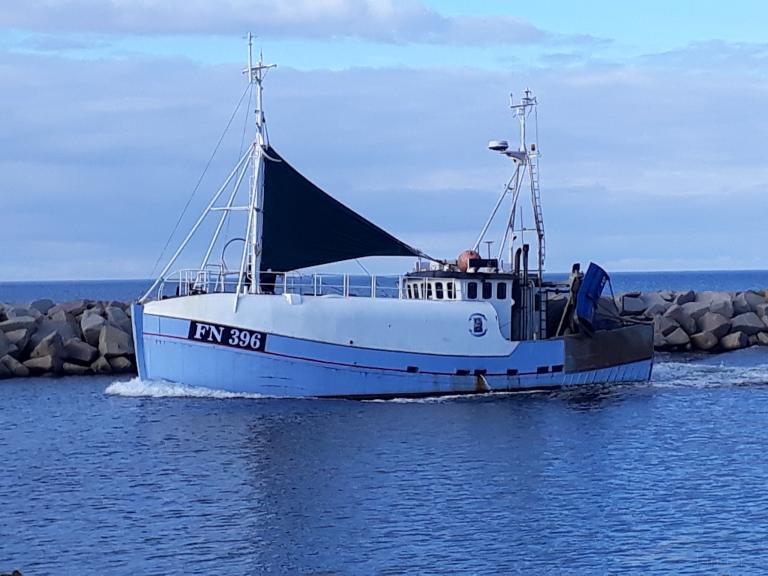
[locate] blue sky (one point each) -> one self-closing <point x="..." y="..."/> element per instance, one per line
<point x="652" y="122"/>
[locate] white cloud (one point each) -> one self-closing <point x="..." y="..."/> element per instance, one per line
<point x="98" y="157"/>
<point x="393" y="21"/>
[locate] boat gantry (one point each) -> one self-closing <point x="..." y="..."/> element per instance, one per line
<point x="467" y="325"/>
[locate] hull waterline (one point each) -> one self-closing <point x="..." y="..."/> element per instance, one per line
<point x="180" y="350"/>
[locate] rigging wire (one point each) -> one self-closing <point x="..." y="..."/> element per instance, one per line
<point x="200" y="180"/>
<point x="245" y="120"/>
<point x="363" y="267"/>
<point x="242" y="144"/>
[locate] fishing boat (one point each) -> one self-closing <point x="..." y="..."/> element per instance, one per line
<point x="465" y="326"/>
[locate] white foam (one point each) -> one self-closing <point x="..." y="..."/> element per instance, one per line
<point x="701" y="375"/>
<point x="137" y="388"/>
<point x="454" y="397"/>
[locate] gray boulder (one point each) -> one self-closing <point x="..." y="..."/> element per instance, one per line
<point x="748" y="323"/>
<point x="715" y="323"/>
<point x="52" y="345"/>
<point x="5" y="372"/>
<point x="96" y="307"/>
<point x="19" y="338"/>
<point x="60" y="315"/>
<point x="740" y="304"/>
<point x="120" y="364"/>
<point x="696" y="309"/>
<point x="74" y="307"/>
<point x="678" y="338"/>
<point x="20" y="311"/>
<point x="707" y="296"/>
<point x="91" y="325"/>
<point x="42" y="305"/>
<point x="6" y="345"/>
<point x="17" y="368"/>
<point x="754" y="299"/>
<point x="118" y="317"/>
<point x="101" y="366"/>
<point x="762" y="339"/>
<point x="656" y="310"/>
<point x="734" y="341"/>
<point x="762" y="309"/>
<point x="704" y="341"/>
<point x="114" y="342"/>
<point x="48" y="327"/>
<point x="664" y="325"/>
<point x="685" y="297"/>
<point x="679" y="315"/>
<point x="75" y="369"/>
<point x="722" y="307"/>
<point x="632" y="305"/>
<point x="655" y="304"/>
<point x="659" y="342"/>
<point x="43" y="365"/>
<point x="667" y="295"/>
<point x="17" y="323"/>
<point x="79" y="351"/>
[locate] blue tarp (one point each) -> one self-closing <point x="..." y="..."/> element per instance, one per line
<point x="589" y="293"/>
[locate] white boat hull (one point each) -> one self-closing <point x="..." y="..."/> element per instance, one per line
<point x="256" y="349"/>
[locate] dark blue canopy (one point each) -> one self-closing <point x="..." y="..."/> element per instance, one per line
<point x="303" y="226"/>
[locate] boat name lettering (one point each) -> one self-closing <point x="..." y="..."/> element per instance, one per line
<point x="227" y="336"/>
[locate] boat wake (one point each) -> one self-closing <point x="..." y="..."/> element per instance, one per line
<point x="744" y="368"/>
<point x="137" y="388"/>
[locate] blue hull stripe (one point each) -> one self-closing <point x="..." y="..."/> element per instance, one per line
<point x="328" y="362"/>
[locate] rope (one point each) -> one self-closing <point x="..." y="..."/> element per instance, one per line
<point x="199" y="181"/>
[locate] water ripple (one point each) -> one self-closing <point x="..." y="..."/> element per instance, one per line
<point x="156" y="478"/>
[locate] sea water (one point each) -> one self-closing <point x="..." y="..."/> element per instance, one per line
<point x="118" y="476"/>
<point x="130" y="290"/>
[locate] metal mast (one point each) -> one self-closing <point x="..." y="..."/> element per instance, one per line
<point x="525" y="159"/>
<point x="521" y="111"/>
<point x="256" y="76"/>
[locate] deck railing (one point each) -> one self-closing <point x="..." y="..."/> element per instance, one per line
<point x="190" y="281"/>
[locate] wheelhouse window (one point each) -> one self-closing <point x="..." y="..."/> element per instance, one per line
<point x="439" y="290"/>
<point x="409" y="290"/>
<point x="487" y="290"/>
<point x="429" y="290"/>
<point x="501" y="291"/>
<point x="416" y="292"/>
<point x="471" y="290"/>
<point x="449" y="290"/>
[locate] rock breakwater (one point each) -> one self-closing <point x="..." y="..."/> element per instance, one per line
<point x="94" y="337"/>
<point x="707" y="321"/>
<point x="76" y="338"/>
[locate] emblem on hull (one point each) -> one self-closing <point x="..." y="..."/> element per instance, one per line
<point x="478" y="324"/>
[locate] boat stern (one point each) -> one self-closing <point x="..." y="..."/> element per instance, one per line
<point x="609" y="348"/>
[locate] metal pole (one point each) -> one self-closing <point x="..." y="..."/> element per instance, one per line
<point x="519" y="175"/>
<point x="493" y="213"/>
<point x="194" y="229"/>
<point x="224" y="215"/>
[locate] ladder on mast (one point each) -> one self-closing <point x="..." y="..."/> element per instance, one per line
<point x="533" y="170"/>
